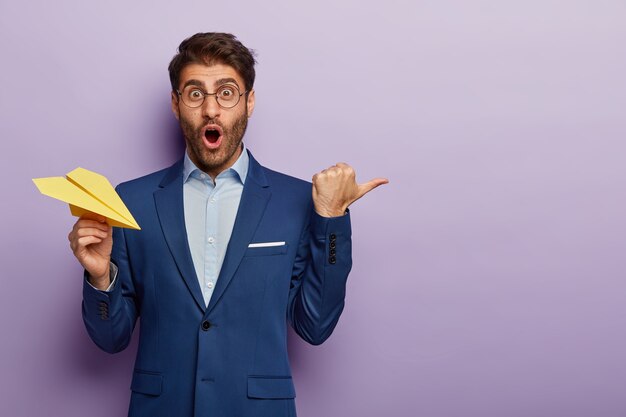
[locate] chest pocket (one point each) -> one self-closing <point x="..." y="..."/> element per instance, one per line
<point x="266" y="250"/>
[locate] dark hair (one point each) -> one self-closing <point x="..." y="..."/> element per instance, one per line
<point x="213" y="48"/>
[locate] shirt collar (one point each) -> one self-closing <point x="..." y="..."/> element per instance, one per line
<point x="238" y="169"/>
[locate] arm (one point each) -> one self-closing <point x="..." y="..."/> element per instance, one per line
<point x="110" y="316"/>
<point x="324" y="256"/>
<point x="318" y="285"/>
<point x="109" y="310"/>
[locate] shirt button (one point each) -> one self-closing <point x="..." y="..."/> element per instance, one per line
<point x="209" y="284"/>
<point x="212" y="200"/>
<point x="211" y="239"/>
<point x="203" y="176"/>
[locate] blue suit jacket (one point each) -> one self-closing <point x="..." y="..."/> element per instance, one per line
<point x="230" y="358"/>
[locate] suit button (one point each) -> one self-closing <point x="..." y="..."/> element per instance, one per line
<point x="332" y="244"/>
<point x="333" y="236"/>
<point x="206" y="325"/>
<point x="333" y="251"/>
<point x="332" y="260"/>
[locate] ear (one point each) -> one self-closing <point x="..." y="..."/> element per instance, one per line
<point x="250" y="103"/>
<point x="175" y="109"/>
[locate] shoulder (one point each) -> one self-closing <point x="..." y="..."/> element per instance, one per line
<point x="278" y="181"/>
<point x="281" y="182"/>
<point x="286" y="190"/>
<point x="150" y="182"/>
<point x="281" y="179"/>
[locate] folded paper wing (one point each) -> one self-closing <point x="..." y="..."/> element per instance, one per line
<point x="86" y="192"/>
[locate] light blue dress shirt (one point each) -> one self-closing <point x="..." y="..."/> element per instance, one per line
<point x="210" y="211"/>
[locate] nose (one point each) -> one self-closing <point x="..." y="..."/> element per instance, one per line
<point x="210" y="107"/>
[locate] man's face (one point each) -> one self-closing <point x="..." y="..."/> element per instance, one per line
<point x="213" y="134"/>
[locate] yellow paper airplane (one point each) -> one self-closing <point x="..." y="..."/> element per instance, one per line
<point x="87" y="191"/>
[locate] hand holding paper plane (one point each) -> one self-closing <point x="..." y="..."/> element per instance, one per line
<point x="87" y="191"/>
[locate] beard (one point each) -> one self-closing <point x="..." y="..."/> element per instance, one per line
<point x="213" y="161"/>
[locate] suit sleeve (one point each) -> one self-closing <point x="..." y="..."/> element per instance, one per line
<point x="318" y="284"/>
<point x="110" y="316"/>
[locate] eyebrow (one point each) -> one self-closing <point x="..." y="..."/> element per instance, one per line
<point x="217" y="83"/>
<point x="197" y="83"/>
<point x="223" y="81"/>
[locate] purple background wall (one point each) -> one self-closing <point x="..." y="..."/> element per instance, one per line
<point x="489" y="275"/>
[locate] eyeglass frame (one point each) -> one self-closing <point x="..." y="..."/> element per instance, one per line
<point x="180" y="94"/>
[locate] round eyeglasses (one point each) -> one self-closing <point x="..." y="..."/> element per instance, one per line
<point x="227" y="96"/>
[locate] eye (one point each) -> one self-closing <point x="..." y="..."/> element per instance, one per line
<point x="227" y="92"/>
<point x="195" y="95"/>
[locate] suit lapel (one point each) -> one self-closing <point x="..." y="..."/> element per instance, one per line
<point x="171" y="213"/>
<point x="254" y="199"/>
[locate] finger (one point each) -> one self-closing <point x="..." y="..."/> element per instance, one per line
<point x="342" y="165"/>
<point x="81" y="223"/>
<point x="86" y="241"/>
<point x="370" y="185"/>
<point x="90" y="231"/>
<point x="79" y="246"/>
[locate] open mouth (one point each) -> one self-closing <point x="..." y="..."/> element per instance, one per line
<point x="213" y="136"/>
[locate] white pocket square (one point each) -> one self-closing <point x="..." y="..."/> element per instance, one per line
<point x="265" y="244"/>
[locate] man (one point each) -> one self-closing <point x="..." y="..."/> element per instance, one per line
<point x="229" y="251"/>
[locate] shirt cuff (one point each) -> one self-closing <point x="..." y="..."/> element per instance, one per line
<point x="334" y="217"/>
<point x="112" y="277"/>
